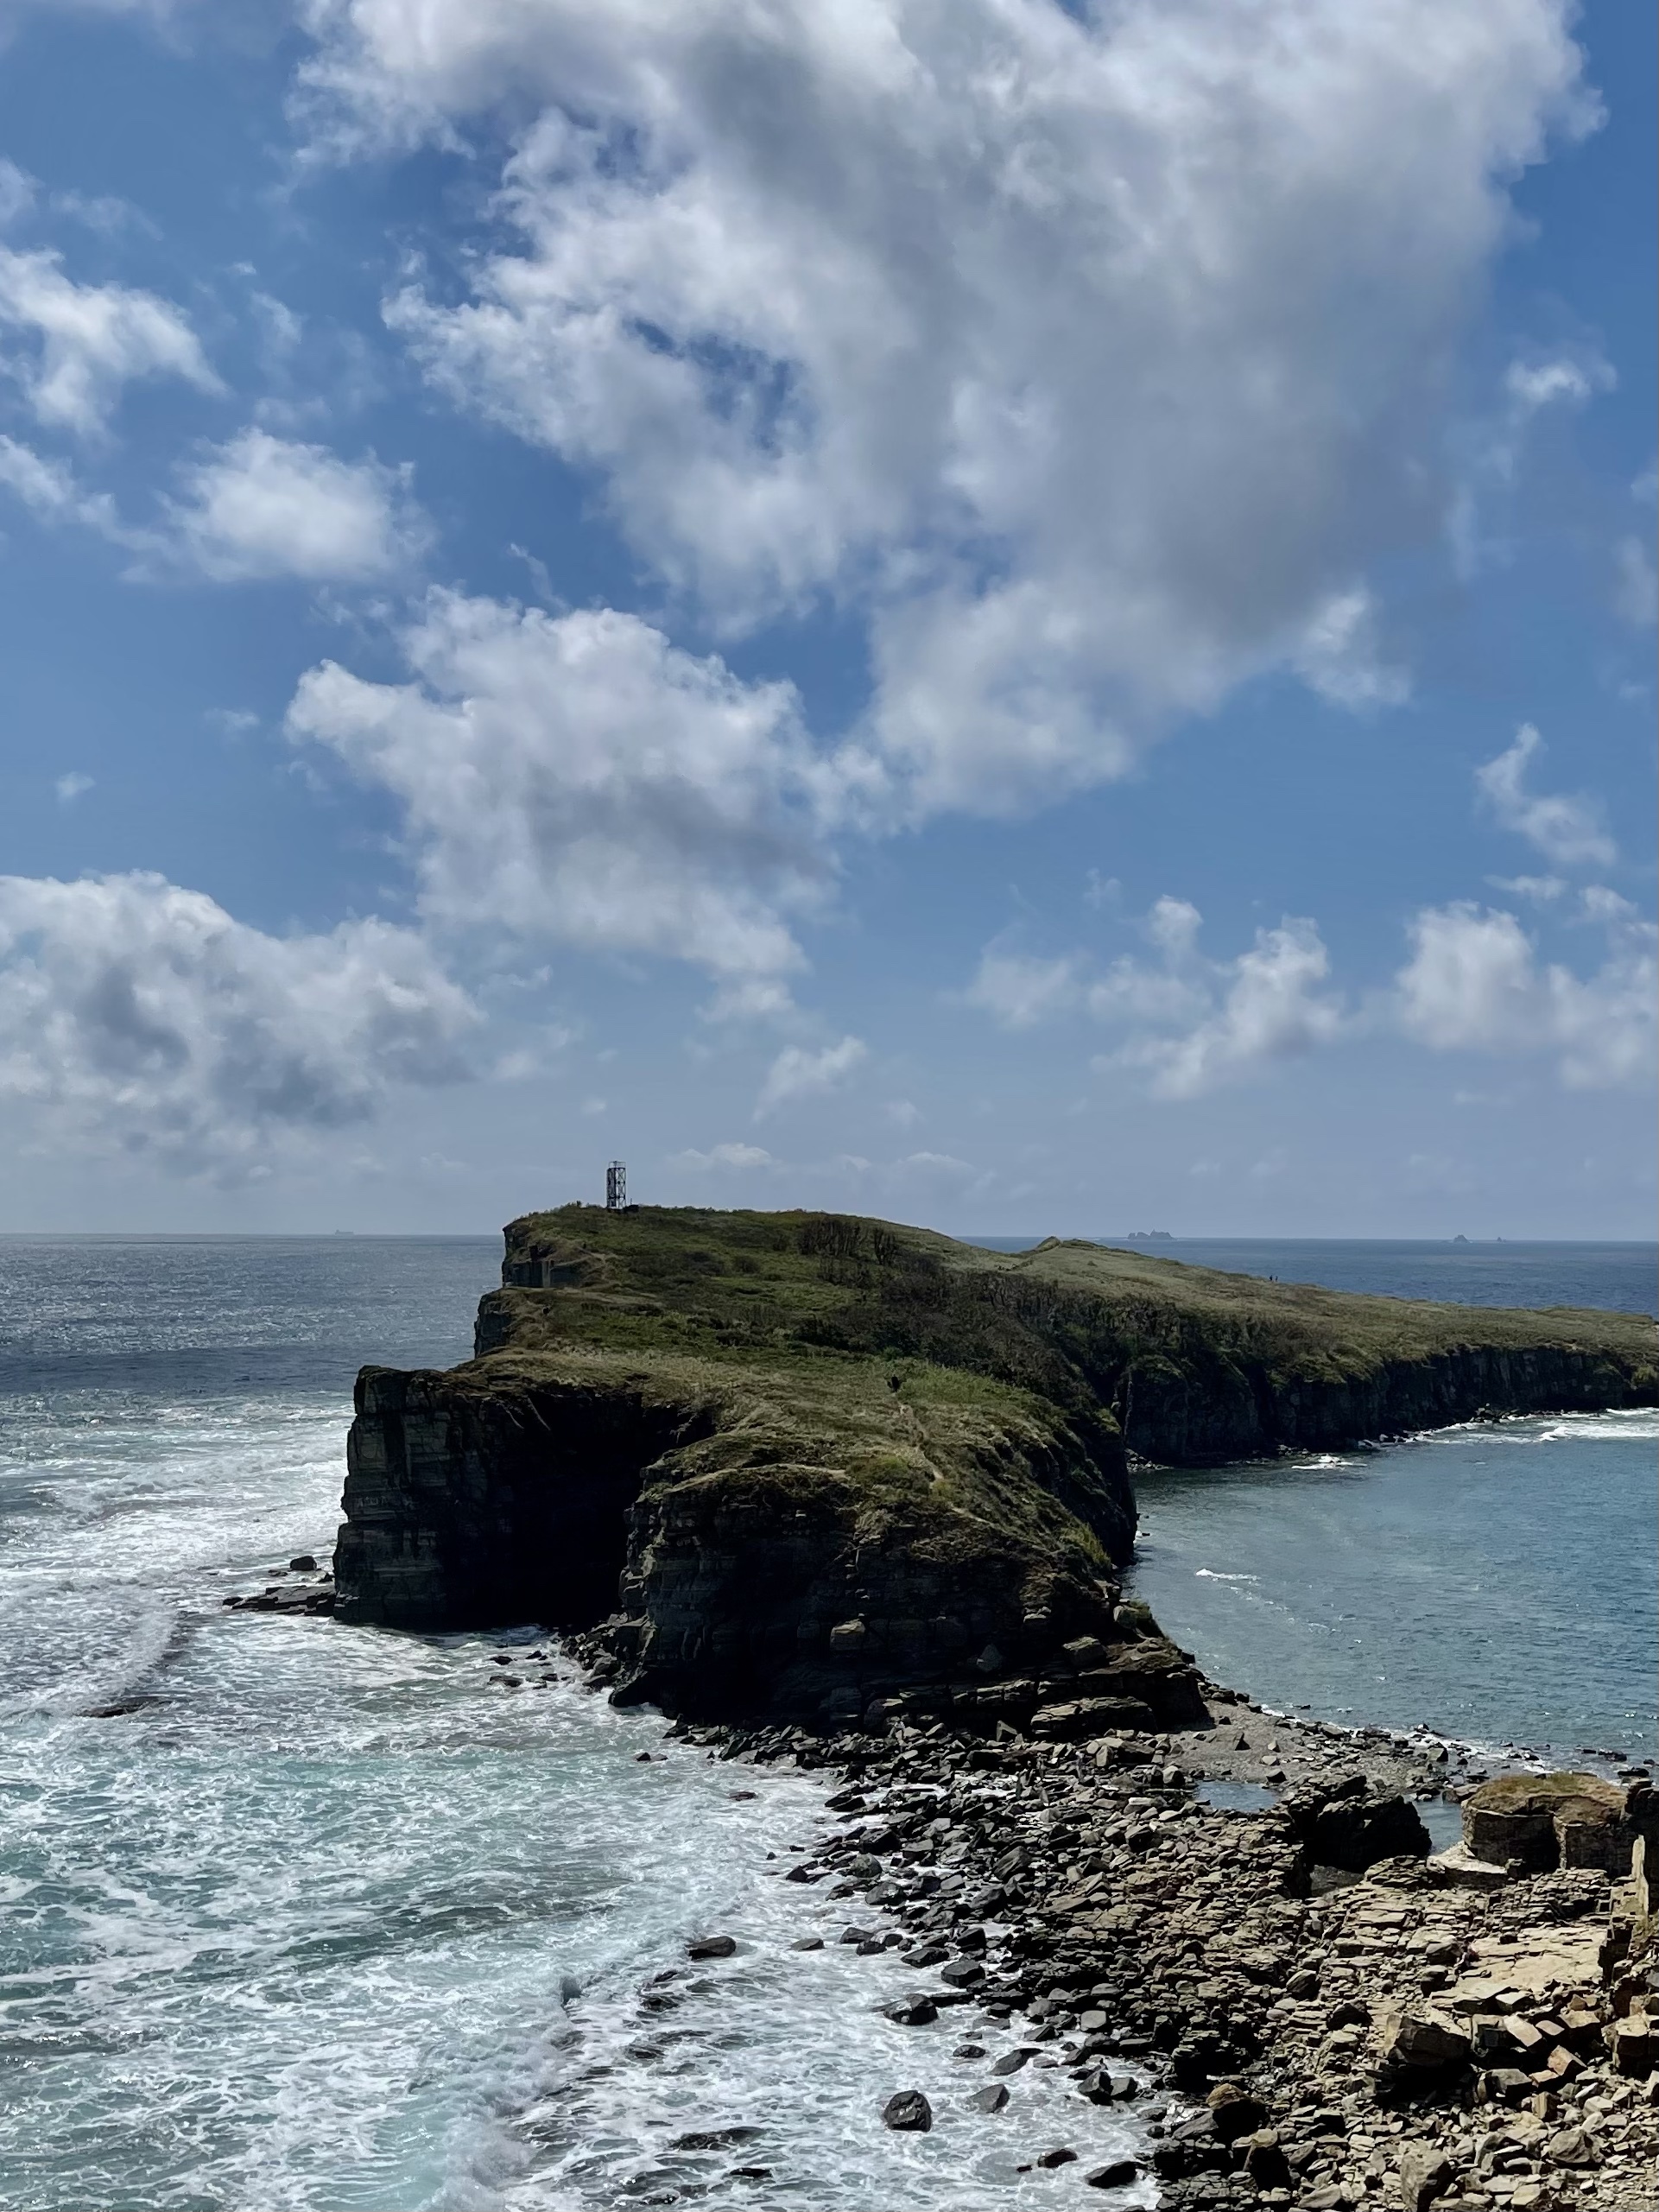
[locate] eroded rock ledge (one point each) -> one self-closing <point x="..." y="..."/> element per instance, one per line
<point x="817" y="1467"/>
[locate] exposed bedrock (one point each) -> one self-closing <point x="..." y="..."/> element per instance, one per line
<point x="809" y="1466"/>
<point x="721" y="1589"/>
<point x="1211" y="1409"/>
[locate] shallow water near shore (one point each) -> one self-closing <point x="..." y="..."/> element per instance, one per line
<point x="299" y="1914"/>
<point x="1497" y="1582"/>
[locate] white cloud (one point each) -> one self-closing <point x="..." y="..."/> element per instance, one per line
<point x="1265" y="1005"/>
<point x="1537" y="890"/>
<point x="1339" y="658"/>
<point x="50" y="490"/>
<point x="578" y="778"/>
<point x="137" y="1017"/>
<point x="1098" y="354"/>
<point x="261" y="506"/>
<point x="1475" y="983"/>
<point x="1494" y="447"/>
<point x="798" y="1074"/>
<point x="1192" y="1023"/>
<point x="904" y="1112"/>
<point x="70" y="788"/>
<point x="1020" y="991"/>
<point x="727" y="1156"/>
<point x="1567" y="830"/>
<point x="1569" y="380"/>
<point x="17" y="191"/>
<point x="81" y="343"/>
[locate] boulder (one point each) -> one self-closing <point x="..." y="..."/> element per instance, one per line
<point x="1235" y="2111"/>
<point x="1421" y="2043"/>
<point x="908" y="2113"/>
<point x="1636" y="2045"/>
<point x="1354" y="1832"/>
<point x="1425" y="2174"/>
<point x="1119" y="2173"/>
<point x="1537" y="1823"/>
<point x="1265" y="2161"/>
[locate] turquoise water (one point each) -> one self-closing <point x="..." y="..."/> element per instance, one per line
<point x="1499" y="1583"/>
<point x="326" y="1917"/>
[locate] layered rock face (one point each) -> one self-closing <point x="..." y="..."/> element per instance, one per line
<point x="1536" y="1823"/>
<point x="467" y="1505"/>
<point x="810" y="1466"/>
<point x="716" y="1590"/>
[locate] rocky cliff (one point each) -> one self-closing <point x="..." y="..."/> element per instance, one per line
<point x="806" y="1465"/>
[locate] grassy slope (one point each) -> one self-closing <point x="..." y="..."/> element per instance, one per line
<point x="1065" y="1320"/>
<point x="787" y="1330"/>
<point x="782" y="1353"/>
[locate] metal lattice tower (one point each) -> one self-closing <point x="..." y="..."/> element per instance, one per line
<point x="615" y="1187"/>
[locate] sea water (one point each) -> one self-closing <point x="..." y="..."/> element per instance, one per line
<point x="299" y="1914"/>
<point x="294" y="1914"/>
<point x="1499" y="1582"/>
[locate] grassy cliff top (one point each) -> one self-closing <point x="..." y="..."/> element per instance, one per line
<point x="796" y="1281"/>
<point x="969" y="1403"/>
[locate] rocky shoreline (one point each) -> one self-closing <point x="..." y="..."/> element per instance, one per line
<point x="1285" y="2032"/>
<point x="1293" y="2001"/>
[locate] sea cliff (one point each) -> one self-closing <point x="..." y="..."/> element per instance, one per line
<point x="834" y="1469"/>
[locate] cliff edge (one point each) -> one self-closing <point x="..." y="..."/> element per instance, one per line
<point x="806" y="1465"/>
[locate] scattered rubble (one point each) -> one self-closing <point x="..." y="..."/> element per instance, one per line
<point x="1289" y="2030"/>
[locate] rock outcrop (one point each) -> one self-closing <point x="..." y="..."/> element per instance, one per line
<point x="1536" y="1823"/>
<point x="807" y="1465"/>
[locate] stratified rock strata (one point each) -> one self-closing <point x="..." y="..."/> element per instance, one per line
<point x="810" y="1466"/>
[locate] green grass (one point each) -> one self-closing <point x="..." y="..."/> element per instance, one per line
<point x="936" y="1393"/>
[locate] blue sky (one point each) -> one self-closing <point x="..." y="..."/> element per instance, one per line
<point x="1034" y="620"/>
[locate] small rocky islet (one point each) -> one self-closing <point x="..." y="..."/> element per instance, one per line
<point x="853" y="1496"/>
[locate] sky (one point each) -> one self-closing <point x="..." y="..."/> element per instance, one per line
<point x="1034" y="618"/>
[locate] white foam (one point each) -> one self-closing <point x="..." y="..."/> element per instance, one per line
<point x="294" y="1933"/>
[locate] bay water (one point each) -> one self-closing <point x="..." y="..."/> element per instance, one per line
<point x="1498" y="1581"/>
<point x="299" y="1914"/>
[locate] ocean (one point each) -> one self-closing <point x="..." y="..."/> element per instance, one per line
<point x="299" y="1914"/>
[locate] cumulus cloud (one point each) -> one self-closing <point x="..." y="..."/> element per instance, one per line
<point x="1340" y="656"/>
<point x="1190" y="1022"/>
<point x="1098" y="354"/>
<point x="798" y="1074"/>
<point x="50" y="490"/>
<point x="1565" y="380"/>
<point x="578" y="778"/>
<point x="140" y="1017"/>
<point x="1475" y="982"/>
<point x="72" y="347"/>
<point x="1020" y="991"/>
<point x="726" y="1156"/>
<point x="261" y="506"/>
<point x="1567" y="830"/>
<point x="1265" y="1005"/>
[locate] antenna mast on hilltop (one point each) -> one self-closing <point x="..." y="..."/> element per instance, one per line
<point x="615" y="1187"/>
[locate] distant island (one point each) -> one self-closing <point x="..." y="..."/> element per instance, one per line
<point x="1149" y="1237"/>
<point x="799" y="1464"/>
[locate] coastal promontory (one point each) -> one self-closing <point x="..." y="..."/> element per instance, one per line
<point x="823" y="1466"/>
